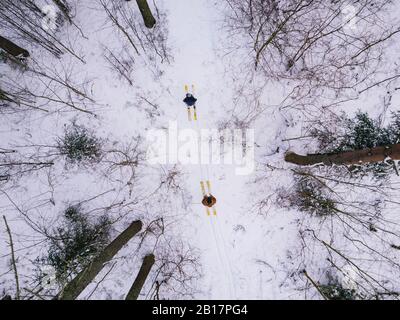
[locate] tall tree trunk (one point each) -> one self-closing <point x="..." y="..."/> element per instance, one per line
<point x="64" y="8"/>
<point x="5" y="97"/>
<point x="137" y="285"/>
<point x="148" y="18"/>
<point x="75" y="287"/>
<point x="11" y="48"/>
<point x="370" y="155"/>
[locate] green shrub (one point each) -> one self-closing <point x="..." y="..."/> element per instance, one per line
<point x="358" y="133"/>
<point x="335" y="291"/>
<point x="363" y="132"/>
<point x="3" y="56"/>
<point x="75" y="243"/>
<point x="79" y="145"/>
<point x="311" y="196"/>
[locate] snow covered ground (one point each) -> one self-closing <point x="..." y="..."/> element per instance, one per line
<point x="249" y="250"/>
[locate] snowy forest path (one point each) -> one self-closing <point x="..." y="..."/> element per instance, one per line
<point x="246" y="242"/>
<point x="192" y="37"/>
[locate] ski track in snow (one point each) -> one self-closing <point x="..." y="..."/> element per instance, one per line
<point x="191" y="36"/>
<point x="229" y="257"/>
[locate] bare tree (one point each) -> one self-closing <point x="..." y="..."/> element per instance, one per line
<point x="72" y="290"/>
<point x="13" y="259"/>
<point x="138" y="40"/>
<point x="134" y="291"/>
<point x="362" y="281"/>
<point x="24" y="19"/>
<point x="64" y="8"/>
<point x="48" y="88"/>
<point x="347" y="225"/>
<point x="148" y="17"/>
<point x="323" y="54"/>
<point x="12" y="48"/>
<point x="372" y="155"/>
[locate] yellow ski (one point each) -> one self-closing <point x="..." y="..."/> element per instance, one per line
<point x="189" y="110"/>
<point x="206" y="190"/>
<point x="208" y="185"/>
<point x="203" y="190"/>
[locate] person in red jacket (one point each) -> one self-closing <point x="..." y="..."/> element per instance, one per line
<point x="209" y="200"/>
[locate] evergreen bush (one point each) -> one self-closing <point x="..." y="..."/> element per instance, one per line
<point x="75" y="243"/>
<point x="79" y="145"/>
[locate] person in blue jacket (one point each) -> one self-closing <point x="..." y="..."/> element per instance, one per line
<point x="190" y="100"/>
